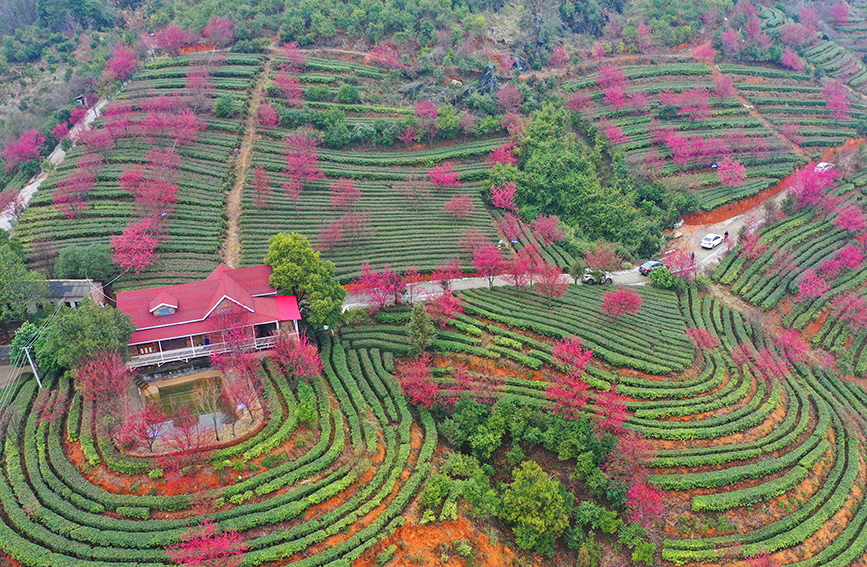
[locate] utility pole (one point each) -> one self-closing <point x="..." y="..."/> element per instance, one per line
<point x="33" y="366"/>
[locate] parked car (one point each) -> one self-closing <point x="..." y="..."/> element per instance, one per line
<point x="592" y="277"/>
<point x="711" y="241"/>
<point x="647" y="267"/>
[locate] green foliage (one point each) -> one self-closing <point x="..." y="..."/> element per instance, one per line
<point x="25" y="335"/>
<point x="643" y="553"/>
<point x="385" y="555"/>
<point x="562" y="176"/>
<point x="18" y="285"/>
<point x="662" y="278"/>
<point x="224" y="107"/>
<point x="435" y="491"/>
<point x="348" y="94"/>
<point x="56" y="13"/>
<point x="420" y="329"/>
<point x="299" y="271"/>
<point x="78" y="334"/>
<point x="536" y="505"/>
<point x="91" y="261"/>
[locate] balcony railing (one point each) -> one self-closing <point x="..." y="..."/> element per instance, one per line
<point x="189" y="353"/>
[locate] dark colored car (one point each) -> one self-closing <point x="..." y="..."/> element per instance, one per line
<point x="647" y="267"/>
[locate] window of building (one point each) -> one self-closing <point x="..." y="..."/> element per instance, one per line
<point x="164" y="311"/>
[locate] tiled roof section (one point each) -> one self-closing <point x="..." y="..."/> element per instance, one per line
<point x="195" y="301"/>
<point x="163" y="298"/>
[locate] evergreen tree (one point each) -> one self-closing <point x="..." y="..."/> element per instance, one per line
<point x="420" y="329"/>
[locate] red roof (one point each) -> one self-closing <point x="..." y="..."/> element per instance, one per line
<point x="197" y="301"/>
<point x="162" y="299"/>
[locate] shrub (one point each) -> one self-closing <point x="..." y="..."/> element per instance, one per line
<point x="662" y="278"/>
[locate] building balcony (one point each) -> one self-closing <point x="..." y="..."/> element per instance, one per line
<point x="189" y="353"/>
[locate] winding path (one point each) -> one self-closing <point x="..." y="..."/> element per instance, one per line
<point x="231" y="251"/>
<point x="9" y="216"/>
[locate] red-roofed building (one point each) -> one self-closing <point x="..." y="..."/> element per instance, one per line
<point x="228" y="309"/>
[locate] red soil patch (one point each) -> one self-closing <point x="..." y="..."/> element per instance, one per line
<point x="851" y="144"/>
<point x="417" y="545"/>
<point x="9" y="561"/>
<point x="197" y="48"/>
<point x="815" y="326"/>
<point x="740" y="207"/>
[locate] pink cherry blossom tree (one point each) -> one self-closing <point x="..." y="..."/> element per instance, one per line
<point x="445" y="307"/>
<point x="295" y="58"/>
<point x="702" y="339"/>
<point x="850" y="218"/>
<point x="171" y="39"/>
<point x="134" y="249"/>
<point x="416" y="383"/>
<point x="569" y="393"/>
<point x="344" y="194"/>
<point x="489" y="263"/>
<point x="503" y="196"/>
<point x="546" y="228"/>
<point x="267" y="116"/>
<point x="644" y="503"/>
<point x="789" y="341"/>
<point x="611" y="409"/>
<point x="261" y="186"/>
<point x="840" y="13"/>
<point x="731" y="41"/>
<point x="24" y="149"/>
<point x="509" y="98"/>
<point x="289" y="85"/>
<point x="834" y="94"/>
<point x="445" y="273"/>
<point x="122" y="64"/>
<point x="731" y="172"/>
<point x="811" y="286"/>
<point x="220" y="31"/>
<point x="443" y="175"/>
<point x="620" y="302"/>
<point x="206" y="546"/>
<point x="381" y="288"/>
<point x="510" y="226"/>
<point x="460" y="206"/>
<point x="504" y="153"/>
<point x="851" y="310"/>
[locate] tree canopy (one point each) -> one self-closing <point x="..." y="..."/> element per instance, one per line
<point x="18" y="285"/>
<point x="562" y="176"/>
<point x="535" y="503"/>
<point x="75" y="335"/>
<point x="92" y="261"/>
<point x="299" y="271"/>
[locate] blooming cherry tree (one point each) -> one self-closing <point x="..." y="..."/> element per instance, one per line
<point x="24" y="149"/>
<point x="416" y="383"/>
<point x="344" y="194"/>
<point x="503" y="196"/>
<point x="702" y="339"/>
<point x="122" y="64"/>
<point x="460" y="206"/>
<point x="731" y="173"/>
<point x="445" y="307"/>
<point x="134" y="248"/>
<point x="488" y="262"/>
<point x="205" y="546"/>
<point x="850" y="218"/>
<point x="546" y="228"/>
<point x="620" y="302"/>
<point x="444" y="175"/>
<point x="792" y="61"/>
<point x="811" y="286"/>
